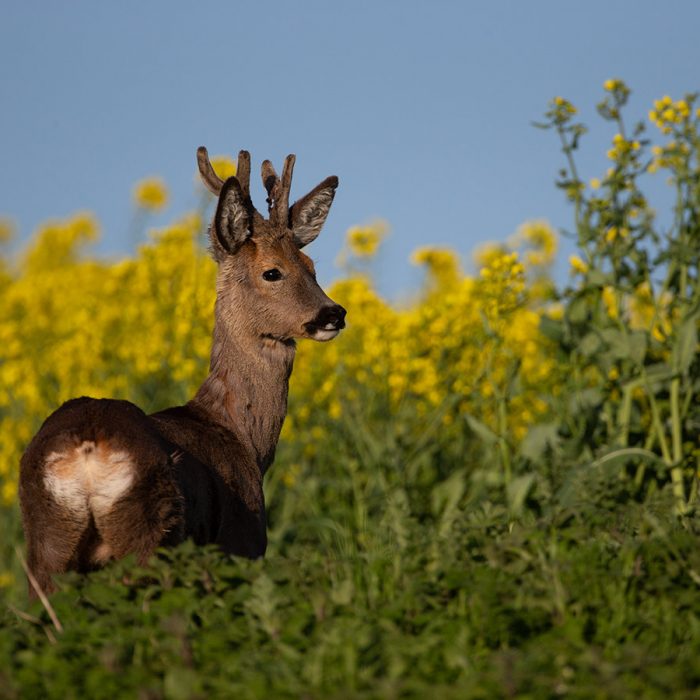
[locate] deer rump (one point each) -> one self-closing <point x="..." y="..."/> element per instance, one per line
<point x="103" y="480"/>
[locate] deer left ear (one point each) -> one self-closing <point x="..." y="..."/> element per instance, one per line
<point x="308" y="214"/>
<point x="232" y="220"/>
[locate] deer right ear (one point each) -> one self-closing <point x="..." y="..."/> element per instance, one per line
<point x="232" y="220"/>
<point x="307" y="215"/>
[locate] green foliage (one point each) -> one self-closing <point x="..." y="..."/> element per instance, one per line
<point x="595" y="604"/>
<point x="629" y="333"/>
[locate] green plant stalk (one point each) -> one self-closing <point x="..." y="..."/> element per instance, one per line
<point x="624" y="416"/>
<point x="566" y="148"/>
<point x="677" y="470"/>
<point x="693" y="496"/>
<point x="502" y="441"/>
<point x="683" y="279"/>
<point x="656" y="420"/>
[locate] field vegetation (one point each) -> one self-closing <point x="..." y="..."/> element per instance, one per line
<point x="490" y="491"/>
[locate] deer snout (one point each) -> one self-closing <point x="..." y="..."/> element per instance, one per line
<point x="329" y="321"/>
<point x="332" y="315"/>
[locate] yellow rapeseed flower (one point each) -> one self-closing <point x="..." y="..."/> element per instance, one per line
<point x="486" y="253"/>
<point x="682" y="109"/>
<point x="442" y="264"/>
<point x="565" y="107"/>
<point x="668" y="114"/>
<point x="538" y="236"/>
<point x="364" y="241"/>
<point x="610" y="300"/>
<point x="578" y="265"/>
<point x="151" y="194"/>
<point x="223" y="166"/>
<point x="613" y="233"/>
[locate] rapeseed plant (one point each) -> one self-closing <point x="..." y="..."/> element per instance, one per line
<point x="151" y="194"/>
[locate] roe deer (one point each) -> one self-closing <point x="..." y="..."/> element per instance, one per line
<point x="101" y="479"/>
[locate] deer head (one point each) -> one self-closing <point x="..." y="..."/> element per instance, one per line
<point x="266" y="285"/>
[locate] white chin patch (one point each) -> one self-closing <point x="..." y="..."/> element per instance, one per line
<point x="324" y="334"/>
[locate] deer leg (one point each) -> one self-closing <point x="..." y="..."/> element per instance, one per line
<point x="149" y="515"/>
<point x="53" y="540"/>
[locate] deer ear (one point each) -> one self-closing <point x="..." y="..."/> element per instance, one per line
<point x="308" y="214"/>
<point x="232" y="220"/>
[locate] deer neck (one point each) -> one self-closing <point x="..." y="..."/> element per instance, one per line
<point x="246" y="390"/>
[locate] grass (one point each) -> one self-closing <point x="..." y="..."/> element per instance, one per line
<point x="402" y="595"/>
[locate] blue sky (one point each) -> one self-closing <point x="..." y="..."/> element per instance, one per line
<point x="423" y="109"/>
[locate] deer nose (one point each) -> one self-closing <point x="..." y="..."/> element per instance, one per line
<point x="332" y="316"/>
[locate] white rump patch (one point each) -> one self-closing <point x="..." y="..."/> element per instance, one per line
<point x="89" y="477"/>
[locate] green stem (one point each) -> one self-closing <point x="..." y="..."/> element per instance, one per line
<point x="574" y="173"/>
<point x="502" y="439"/>
<point x="677" y="469"/>
<point x="656" y="419"/>
<point x="693" y="497"/>
<point x="624" y="416"/>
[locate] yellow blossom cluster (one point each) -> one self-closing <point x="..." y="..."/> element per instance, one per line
<point x="671" y="155"/>
<point x="564" y="106"/>
<point x="578" y="266"/>
<point x="540" y="242"/>
<point x="666" y="113"/>
<point x="151" y="194"/>
<point x="613" y="84"/>
<point x="441" y="265"/>
<point x="364" y="241"/>
<point x="621" y="147"/>
<point x="224" y="167"/>
<point x="71" y="326"/>
<point x="616" y="233"/>
<point x="648" y="310"/>
<point x="641" y="310"/>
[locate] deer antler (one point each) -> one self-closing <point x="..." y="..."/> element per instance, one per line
<point x="213" y="182"/>
<point x="278" y="190"/>
<point x="270" y="182"/>
<point x="243" y="173"/>
<point x="282" y="205"/>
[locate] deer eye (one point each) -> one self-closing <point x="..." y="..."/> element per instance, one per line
<point x="272" y="275"/>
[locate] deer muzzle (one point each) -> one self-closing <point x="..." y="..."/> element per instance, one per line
<point x="329" y="321"/>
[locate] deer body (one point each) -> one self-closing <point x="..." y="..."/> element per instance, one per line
<point x="101" y="479"/>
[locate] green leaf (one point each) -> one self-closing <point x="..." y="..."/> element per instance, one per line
<point x="597" y="278"/>
<point x="618" y="458"/>
<point x="481" y="430"/>
<point x="624" y="346"/>
<point x="518" y="490"/>
<point x="590" y="344"/>
<point x="637" y="343"/>
<point x="578" y="310"/>
<point x="538" y="440"/>
<point x="552" y="329"/>
<point x="686" y="344"/>
<point x="606" y="467"/>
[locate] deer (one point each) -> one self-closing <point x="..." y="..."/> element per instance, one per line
<point x="101" y="479"/>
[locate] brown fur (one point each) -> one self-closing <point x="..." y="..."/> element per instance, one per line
<point x="101" y="479"/>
